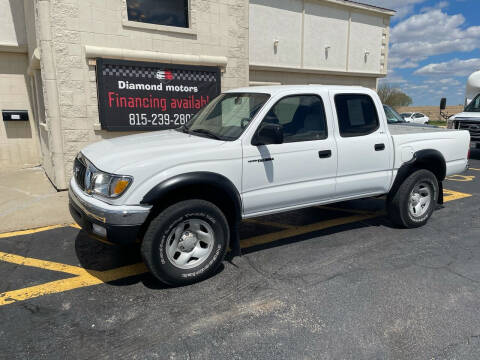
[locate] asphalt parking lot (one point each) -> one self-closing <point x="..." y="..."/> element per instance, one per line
<point x="326" y="282"/>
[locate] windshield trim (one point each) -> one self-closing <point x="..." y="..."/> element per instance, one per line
<point x="467" y="108"/>
<point x="399" y="117"/>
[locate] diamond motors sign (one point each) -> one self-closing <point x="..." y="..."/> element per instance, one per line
<point x="136" y="95"/>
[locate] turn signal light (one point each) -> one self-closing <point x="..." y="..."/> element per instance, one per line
<point x="120" y="186"/>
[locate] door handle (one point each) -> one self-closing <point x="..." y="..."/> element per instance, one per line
<point x="379" y="147"/>
<point x="324" y="154"/>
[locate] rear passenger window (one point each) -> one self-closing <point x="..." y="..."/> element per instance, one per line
<point x="357" y="114"/>
<point x="302" y="118"/>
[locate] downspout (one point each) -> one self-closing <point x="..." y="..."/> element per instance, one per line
<point x="50" y="93"/>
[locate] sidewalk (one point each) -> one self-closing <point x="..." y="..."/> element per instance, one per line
<point x="28" y="200"/>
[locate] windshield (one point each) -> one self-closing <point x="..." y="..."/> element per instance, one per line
<point x="226" y="116"/>
<point x="392" y="116"/>
<point x="406" y="114"/>
<point x="474" y="106"/>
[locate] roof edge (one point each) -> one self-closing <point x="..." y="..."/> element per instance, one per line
<point x="364" y="6"/>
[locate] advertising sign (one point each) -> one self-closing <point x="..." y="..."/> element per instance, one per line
<point x="136" y="95"/>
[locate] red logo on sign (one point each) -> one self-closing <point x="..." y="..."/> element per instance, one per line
<point x="164" y="75"/>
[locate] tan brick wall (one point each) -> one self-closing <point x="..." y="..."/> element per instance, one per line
<point x="220" y="29"/>
<point x="433" y="112"/>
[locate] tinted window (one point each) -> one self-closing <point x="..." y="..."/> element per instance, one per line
<point x="302" y="118"/>
<point x="160" y="12"/>
<point x="357" y="114"/>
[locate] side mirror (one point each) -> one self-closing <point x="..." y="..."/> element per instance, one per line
<point x="268" y="133"/>
<point x="443" y="103"/>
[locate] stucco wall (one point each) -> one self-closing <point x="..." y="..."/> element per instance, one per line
<point x="219" y="28"/>
<point x="18" y="146"/>
<point x="318" y="35"/>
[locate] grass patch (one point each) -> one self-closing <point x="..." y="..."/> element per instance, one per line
<point x="437" y="123"/>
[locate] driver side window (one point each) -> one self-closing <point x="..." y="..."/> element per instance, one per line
<point x="301" y="116"/>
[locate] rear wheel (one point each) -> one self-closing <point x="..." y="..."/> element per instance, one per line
<point x="186" y="242"/>
<point x="415" y="200"/>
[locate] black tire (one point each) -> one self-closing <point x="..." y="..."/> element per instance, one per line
<point x="398" y="204"/>
<point x="162" y="230"/>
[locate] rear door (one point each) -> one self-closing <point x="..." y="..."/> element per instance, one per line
<point x="299" y="171"/>
<point x="364" y="145"/>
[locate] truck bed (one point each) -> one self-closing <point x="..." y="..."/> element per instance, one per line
<point x="413" y="129"/>
<point x="452" y="144"/>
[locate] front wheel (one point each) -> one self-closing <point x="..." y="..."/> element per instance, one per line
<point x="415" y="200"/>
<point x="186" y="242"/>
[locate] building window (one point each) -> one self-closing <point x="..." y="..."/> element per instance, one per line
<point x="159" y="12"/>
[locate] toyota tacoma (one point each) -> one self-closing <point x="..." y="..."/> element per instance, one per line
<point x="252" y="152"/>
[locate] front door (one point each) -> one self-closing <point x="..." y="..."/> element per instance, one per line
<point x="299" y="171"/>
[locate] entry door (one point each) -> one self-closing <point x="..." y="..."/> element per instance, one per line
<point x="301" y="170"/>
<point x="365" y="153"/>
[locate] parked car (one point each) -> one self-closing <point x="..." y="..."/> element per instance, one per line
<point x="394" y="118"/>
<point x="417" y="118"/>
<point x="252" y="152"/>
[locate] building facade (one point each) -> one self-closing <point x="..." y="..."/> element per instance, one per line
<point x="56" y="57"/>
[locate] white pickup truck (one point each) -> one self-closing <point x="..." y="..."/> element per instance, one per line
<point x="469" y="120"/>
<point x="252" y="152"/>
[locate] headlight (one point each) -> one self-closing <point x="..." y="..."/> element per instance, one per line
<point x="450" y="122"/>
<point x="109" y="185"/>
<point x="99" y="182"/>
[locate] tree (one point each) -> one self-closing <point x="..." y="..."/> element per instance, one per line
<point x="393" y="96"/>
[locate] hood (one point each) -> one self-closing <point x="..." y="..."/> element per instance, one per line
<point x="467" y="116"/>
<point x="114" y="154"/>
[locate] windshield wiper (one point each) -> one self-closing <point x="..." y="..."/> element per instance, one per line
<point x="183" y="129"/>
<point x="206" y="132"/>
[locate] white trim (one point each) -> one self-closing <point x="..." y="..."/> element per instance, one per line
<point x="264" y="83"/>
<point x="168" y="58"/>
<point x="160" y="28"/>
<point x="314" y="71"/>
<point x="361" y="6"/>
<point x="191" y="30"/>
<point x="13" y="48"/>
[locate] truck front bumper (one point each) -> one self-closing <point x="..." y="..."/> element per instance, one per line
<point x="116" y="223"/>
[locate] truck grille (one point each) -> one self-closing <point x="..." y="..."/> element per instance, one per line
<point x="79" y="169"/>
<point x="471" y="126"/>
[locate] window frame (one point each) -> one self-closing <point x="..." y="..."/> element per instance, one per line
<point x="191" y="29"/>
<point x="296" y="95"/>
<point x="338" y="119"/>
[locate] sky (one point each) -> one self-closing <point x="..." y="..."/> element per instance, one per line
<point x="434" y="47"/>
